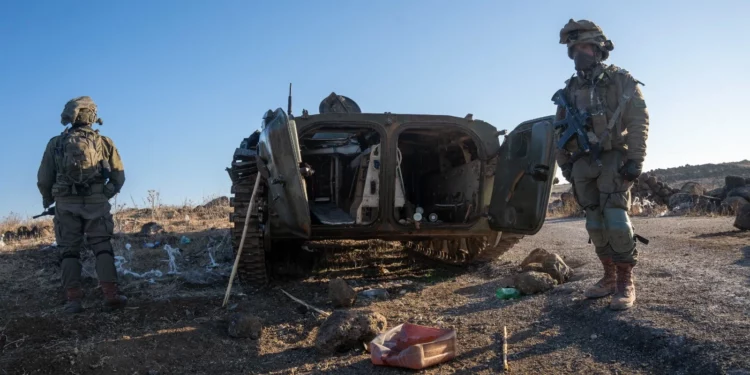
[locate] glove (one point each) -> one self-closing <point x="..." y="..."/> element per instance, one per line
<point x="567" y="169"/>
<point x="631" y="169"/>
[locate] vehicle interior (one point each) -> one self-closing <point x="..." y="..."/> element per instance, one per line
<point x="344" y="189"/>
<point x="441" y="173"/>
<point x="437" y="176"/>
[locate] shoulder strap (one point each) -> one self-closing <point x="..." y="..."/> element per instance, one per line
<point x="627" y="94"/>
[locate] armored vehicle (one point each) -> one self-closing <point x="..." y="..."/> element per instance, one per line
<point x="444" y="185"/>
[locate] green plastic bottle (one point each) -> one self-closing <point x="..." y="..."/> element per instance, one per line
<point x="508" y="293"/>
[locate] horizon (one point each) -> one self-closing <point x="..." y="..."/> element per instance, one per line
<point x="180" y="84"/>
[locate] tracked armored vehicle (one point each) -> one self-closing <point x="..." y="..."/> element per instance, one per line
<point x="446" y="186"/>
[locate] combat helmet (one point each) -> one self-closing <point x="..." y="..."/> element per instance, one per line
<point x="584" y="31"/>
<point x="79" y="110"/>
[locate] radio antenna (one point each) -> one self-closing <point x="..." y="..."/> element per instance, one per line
<point x="289" y="101"/>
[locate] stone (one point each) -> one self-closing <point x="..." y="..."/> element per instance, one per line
<point x="742" y="221"/>
<point x="733" y="182"/>
<point x="217" y="202"/>
<point x="341" y="294"/>
<point x="554" y="266"/>
<point x="717" y="193"/>
<point x="537" y="267"/>
<point x="743" y="192"/>
<point x="681" y="200"/>
<point x="733" y="204"/>
<point x="534" y="282"/>
<point x="151" y="228"/>
<point x="692" y="188"/>
<point x="348" y="329"/>
<point x="245" y="326"/>
<point x="567" y="198"/>
<point x="536" y="256"/>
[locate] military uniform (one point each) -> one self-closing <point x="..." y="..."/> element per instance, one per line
<point x="79" y="172"/>
<point x="618" y="125"/>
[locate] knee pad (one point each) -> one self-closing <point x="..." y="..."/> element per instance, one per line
<point x="595" y="227"/>
<point x="619" y="230"/>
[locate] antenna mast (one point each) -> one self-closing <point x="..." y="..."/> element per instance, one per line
<point x="289" y="101"/>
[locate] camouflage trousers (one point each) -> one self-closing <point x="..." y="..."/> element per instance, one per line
<point x="92" y="221"/>
<point x="605" y="196"/>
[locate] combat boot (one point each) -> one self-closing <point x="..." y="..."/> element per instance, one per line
<point x="625" y="297"/>
<point x="607" y="284"/>
<point x="74" y="297"/>
<point x="112" y="300"/>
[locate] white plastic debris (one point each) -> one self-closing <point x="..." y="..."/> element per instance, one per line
<point x="172" y="253"/>
<point x="120" y="266"/>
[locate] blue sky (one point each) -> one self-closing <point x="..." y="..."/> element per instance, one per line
<point x="180" y="83"/>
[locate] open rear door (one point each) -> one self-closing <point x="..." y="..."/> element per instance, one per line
<point x="523" y="178"/>
<point x="278" y="150"/>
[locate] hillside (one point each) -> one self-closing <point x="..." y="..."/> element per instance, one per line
<point x="709" y="175"/>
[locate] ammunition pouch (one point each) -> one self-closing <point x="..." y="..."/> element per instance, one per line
<point x="76" y="189"/>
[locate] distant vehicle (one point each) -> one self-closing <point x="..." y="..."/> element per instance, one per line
<point x="445" y="184"/>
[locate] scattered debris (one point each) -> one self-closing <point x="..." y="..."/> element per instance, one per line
<point x="507" y="293"/>
<point x="245" y="326"/>
<point x="374" y="293"/>
<point x="534" y="282"/>
<point x="413" y="346"/>
<point x="347" y="329"/>
<point x="341" y="294"/>
<point x="311" y="307"/>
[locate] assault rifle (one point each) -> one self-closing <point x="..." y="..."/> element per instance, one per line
<point x="49" y="211"/>
<point x="574" y="124"/>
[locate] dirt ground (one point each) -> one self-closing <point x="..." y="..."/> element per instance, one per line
<point x="692" y="313"/>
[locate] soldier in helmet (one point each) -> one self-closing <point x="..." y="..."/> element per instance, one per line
<point x="619" y="126"/>
<point x="80" y="171"/>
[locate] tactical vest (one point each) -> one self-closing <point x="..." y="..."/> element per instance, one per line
<point x="79" y="159"/>
<point x="604" y="98"/>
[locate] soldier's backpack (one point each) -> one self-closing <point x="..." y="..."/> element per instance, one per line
<point x="80" y="158"/>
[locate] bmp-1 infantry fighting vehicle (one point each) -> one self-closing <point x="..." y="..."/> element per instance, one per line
<point x="445" y="185"/>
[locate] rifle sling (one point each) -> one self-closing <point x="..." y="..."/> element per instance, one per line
<point x="626" y="96"/>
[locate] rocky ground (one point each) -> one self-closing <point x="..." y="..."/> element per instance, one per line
<point x="692" y="313"/>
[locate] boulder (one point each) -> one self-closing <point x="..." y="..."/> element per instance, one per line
<point x="567" y="198"/>
<point x="681" y="200"/>
<point x="692" y="188"/>
<point x="151" y="228"/>
<point x="341" y="294"/>
<point x="347" y="329"/>
<point x="717" y="193"/>
<point x="534" y="282"/>
<point x="536" y="256"/>
<point x="554" y="266"/>
<point x="733" y="204"/>
<point x="217" y="202"/>
<point x="245" y="326"/>
<point x="743" y="192"/>
<point x="733" y="182"/>
<point x="536" y="267"/>
<point x="742" y="221"/>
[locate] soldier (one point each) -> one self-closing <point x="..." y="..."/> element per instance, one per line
<point x="80" y="171"/>
<point x="619" y="126"/>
